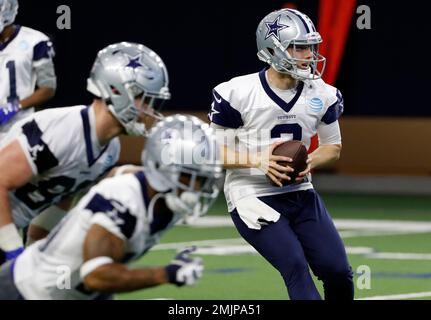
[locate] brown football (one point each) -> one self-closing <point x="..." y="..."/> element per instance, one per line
<point x="296" y="150"/>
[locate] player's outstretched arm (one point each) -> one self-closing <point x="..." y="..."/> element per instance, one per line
<point x="101" y="271"/>
<point x="15" y="172"/>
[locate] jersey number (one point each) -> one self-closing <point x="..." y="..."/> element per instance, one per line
<point x="287" y="128"/>
<point x="38" y="197"/>
<point x="12" y="81"/>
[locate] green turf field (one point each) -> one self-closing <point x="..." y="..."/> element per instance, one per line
<point x="390" y="235"/>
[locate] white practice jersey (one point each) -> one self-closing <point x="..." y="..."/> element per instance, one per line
<point x="63" y="151"/>
<point x="25" y="50"/>
<point x="261" y="115"/>
<point x="118" y="204"/>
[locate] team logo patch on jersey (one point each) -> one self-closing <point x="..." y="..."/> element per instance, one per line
<point x="35" y="150"/>
<point x="316" y="105"/>
<point x="109" y="162"/>
<point x="23" y="45"/>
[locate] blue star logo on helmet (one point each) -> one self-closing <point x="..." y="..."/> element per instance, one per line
<point x="274" y="28"/>
<point x="134" y="62"/>
<point x="316" y="104"/>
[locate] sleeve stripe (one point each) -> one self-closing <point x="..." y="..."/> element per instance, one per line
<point x="223" y="114"/>
<point x="38" y="150"/>
<point x="43" y="50"/>
<point x="119" y="214"/>
<point x="335" y="110"/>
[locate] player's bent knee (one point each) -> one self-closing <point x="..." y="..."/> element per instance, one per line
<point x="296" y="268"/>
<point x="341" y="273"/>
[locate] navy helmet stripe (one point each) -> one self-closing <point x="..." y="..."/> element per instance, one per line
<point x="280" y="102"/>
<point x="312" y="26"/>
<point x="302" y="19"/>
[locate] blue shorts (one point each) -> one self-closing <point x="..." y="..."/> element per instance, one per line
<point x="304" y="237"/>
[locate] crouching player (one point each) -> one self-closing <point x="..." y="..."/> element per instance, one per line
<point x="121" y="218"/>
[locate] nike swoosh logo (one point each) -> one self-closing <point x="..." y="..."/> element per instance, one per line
<point x="218" y="100"/>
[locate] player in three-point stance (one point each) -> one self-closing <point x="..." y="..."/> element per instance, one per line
<point x="121" y="218"/>
<point x="50" y="155"/>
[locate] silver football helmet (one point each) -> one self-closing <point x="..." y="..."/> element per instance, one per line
<point x="8" y="11"/>
<point x="124" y="72"/>
<point x="286" y="28"/>
<point x="181" y="158"/>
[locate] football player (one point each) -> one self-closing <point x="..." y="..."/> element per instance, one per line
<point x="25" y="63"/>
<point x="53" y="153"/>
<point x="121" y="218"/>
<point x="288" y="100"/>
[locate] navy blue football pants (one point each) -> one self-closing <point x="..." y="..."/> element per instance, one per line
<point x="303" y="236"/>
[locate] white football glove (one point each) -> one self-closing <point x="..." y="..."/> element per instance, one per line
<point x="184" y="270"/>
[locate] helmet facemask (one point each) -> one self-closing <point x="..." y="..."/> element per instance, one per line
<point x="145" y="106"/>
<point x="194" y="191"/>
<point x="282" y="61"/>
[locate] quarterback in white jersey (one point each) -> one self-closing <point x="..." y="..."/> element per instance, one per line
<point x="118" y="221"/>
<point x="26" y="68"/>
<point x="286" y="101"/>
<point x="56" y="152"/>
<point x="264" y="114"/>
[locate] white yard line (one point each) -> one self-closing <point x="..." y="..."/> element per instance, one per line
<point x="374" y="233"/>
<point x="178" y="245"/>
<point x="240" y="246"/>
<point x="350" y="228"/>
<point x="392" y="225"/>
<point x="402" y="296"/>
<point x="399" y="256"/>
<point x="351" y="224"/>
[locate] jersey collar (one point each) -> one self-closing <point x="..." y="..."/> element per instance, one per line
<point x="140" y="175"/>
<point x="91" y="144"/>
<point x="13" y="36"/>
<point x="286" y="106"/>
<point x="161" y="220"/>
